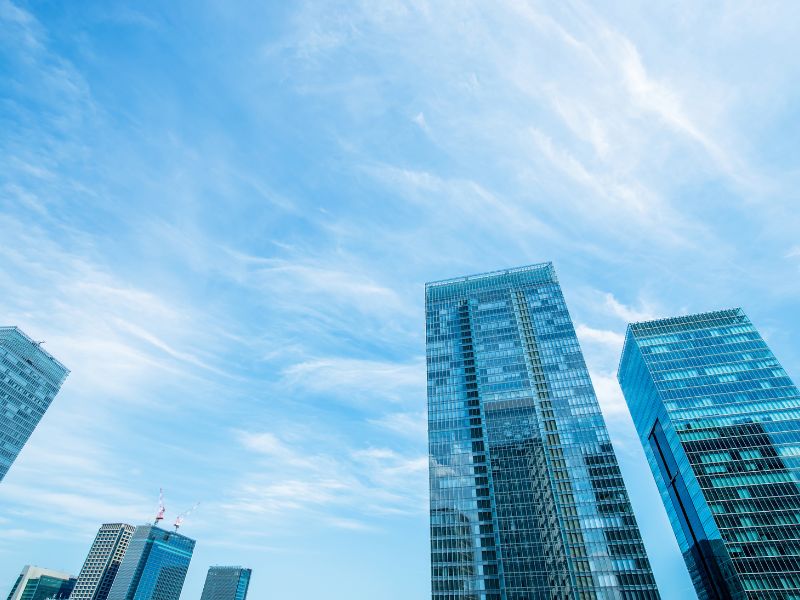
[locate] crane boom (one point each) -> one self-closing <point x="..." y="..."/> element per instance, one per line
<point x="161" y="508"/>
<point x="181" y="517"/>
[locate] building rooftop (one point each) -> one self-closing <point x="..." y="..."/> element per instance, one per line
<point x="16" y="340"/>
<point x="687" y="321"/>
<point x="544" y="268"/>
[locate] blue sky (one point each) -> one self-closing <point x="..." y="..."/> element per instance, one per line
<point x="220" y="217"/>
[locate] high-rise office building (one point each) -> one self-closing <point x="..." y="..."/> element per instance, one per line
<point x="36" y="583"/>
<point x="527" y="498"/>
<point x="103" y="561"/>
<point x="29" y="380"/>
<point x="226" y="583"/>
<point x="720" y="424"/>
<point x="154" y="566"/>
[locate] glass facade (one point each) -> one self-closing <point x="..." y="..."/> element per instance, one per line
<point x="154" y="566"/>
<point x="36" y="583"/>
<point x="48" y="588"/>
<point x="226" y="583"/>
<point x="720" y="423"/>
<point x="527" y="499"/>
<point x="102" y="563"/>
<point x="29" y="380"/>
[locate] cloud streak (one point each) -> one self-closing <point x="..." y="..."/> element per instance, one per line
<point x="293" y="483"/>
<point x="227" y="242"/>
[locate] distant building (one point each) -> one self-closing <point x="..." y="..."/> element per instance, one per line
<point x="226" y="583"/>
<point x="102" y="562"/>
<point x="154" y="566"/>
<point x="29" y="380"/>
<point x="36" y="583"/>
<point x="527" y="499"/>
<point x="719" y="420"/>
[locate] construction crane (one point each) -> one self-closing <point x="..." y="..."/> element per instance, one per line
<point x="181" y="517"/>
<point x="161" y="508"/>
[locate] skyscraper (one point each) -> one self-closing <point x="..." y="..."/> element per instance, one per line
<point x="527" y="498"/>
<point x="103" y="561"/>
<point x="226" y="583"/>
<point x="29" y="380"/>
<point x="720" y="424"/>
<point x="36" y="583"/>
<point x="154" y="566"/>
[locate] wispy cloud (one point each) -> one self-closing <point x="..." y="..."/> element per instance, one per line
<point x="360" y="380"/>
<point x="419" y="119"/>
<point x="88" y="315"/>
<point x="614" y="339"/>
<point x="326" y="296"/>
<point x="23" y="23"/>
<point x="293" y="482"/>
<point x="229" y="251"/>
<point x="462" y="203"/>
<point x="408" y="424"/>
<point x="62" y="479"/>
<point x="304" y="278"/>
<point x="631" y="314"/>
<point x="609" y="395"/>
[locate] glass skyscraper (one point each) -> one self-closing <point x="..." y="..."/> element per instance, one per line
<point x="29" y="380"/>
<point x="154" y="566"/>
<point x="527" y="499"/>
<point x="720" y="423"/>
<point x="36" y="583"/>
<point x="103" y="561"/>
<point x="226" y="583"/>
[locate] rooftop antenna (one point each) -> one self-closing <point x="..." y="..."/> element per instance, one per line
<point x="181" y="517"/>
<point x="161" y="508"/>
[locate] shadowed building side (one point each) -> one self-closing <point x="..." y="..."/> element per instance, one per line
<point x="102" y="563"/>
<point x="226" y="583"/>
<point x="719" y="420"/>
<point x="154" y="567"/>
<point x="527" y="500"/>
